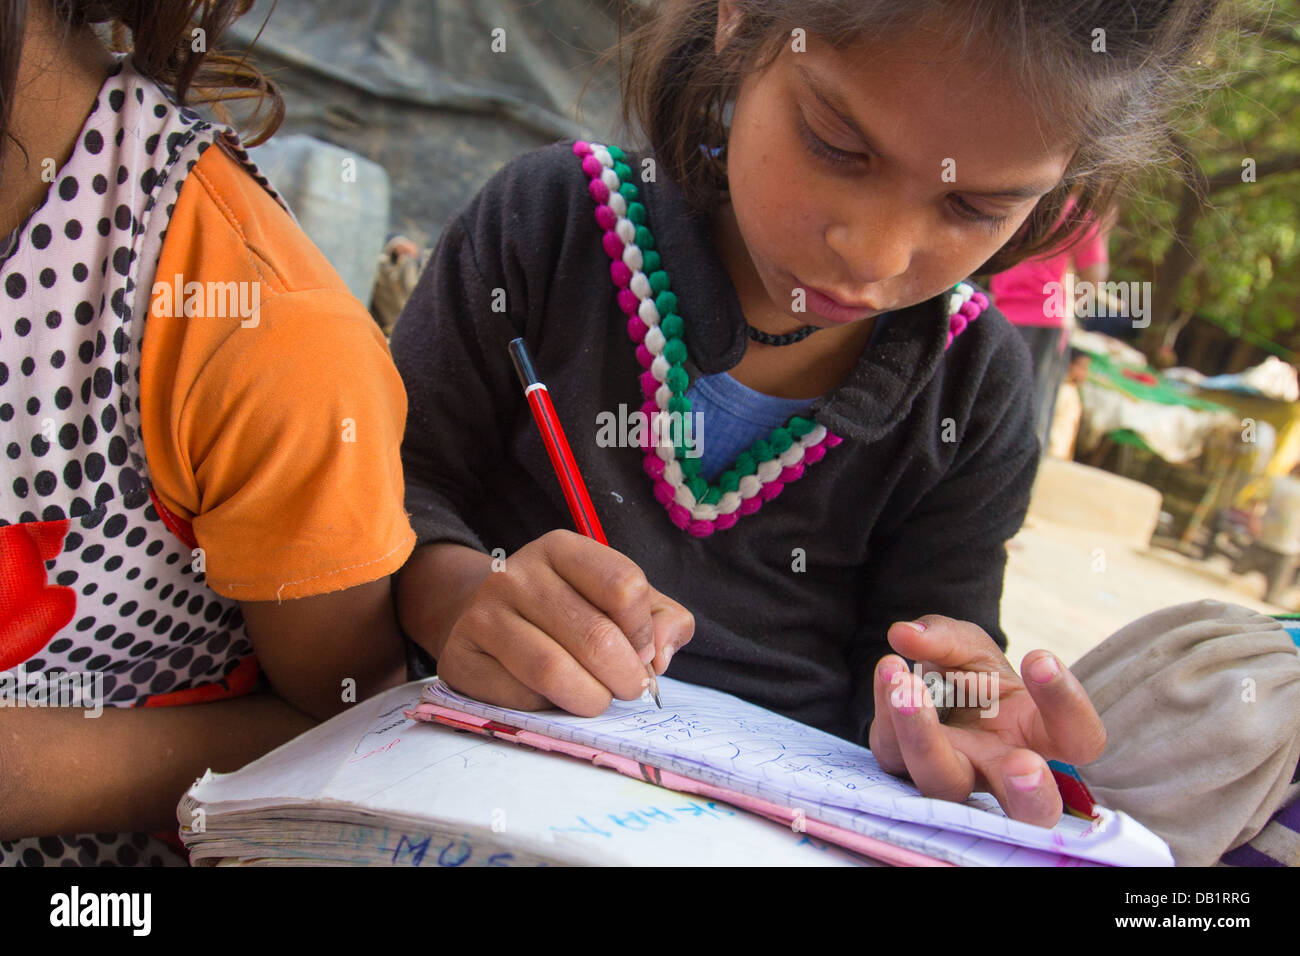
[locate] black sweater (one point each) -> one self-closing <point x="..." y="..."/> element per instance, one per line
<point x="894" y="523"/>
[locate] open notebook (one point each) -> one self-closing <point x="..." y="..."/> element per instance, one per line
<point x="375" y="787"/>
<point x="787" y="770"/>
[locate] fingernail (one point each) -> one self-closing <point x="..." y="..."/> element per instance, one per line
<point x="1044" y="669"/>
<point x="915" y="625"/>
<point x="668" y="652"/>
<point x="1027" y="781"/>
<point x="645" y="684"/>
<point x="647" y="653"/>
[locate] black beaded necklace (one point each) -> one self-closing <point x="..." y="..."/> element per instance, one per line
<point x="789" y="338"/>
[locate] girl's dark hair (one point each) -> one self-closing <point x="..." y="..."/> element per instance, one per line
<point x="1115" y="106"/>
<point x="162" y="43"/>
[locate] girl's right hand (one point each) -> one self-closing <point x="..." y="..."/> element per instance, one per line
<point x="567" y="622"/>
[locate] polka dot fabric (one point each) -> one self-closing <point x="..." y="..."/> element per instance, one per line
<point x="91" y="579"/>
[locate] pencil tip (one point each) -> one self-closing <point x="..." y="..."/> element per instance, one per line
<point x="655" y="694"/>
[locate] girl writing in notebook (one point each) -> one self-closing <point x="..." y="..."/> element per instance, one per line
<point x="782" y="270"/>
<point x="178" y="367"/>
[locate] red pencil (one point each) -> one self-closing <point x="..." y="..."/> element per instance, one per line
<point x="566" y="468"/>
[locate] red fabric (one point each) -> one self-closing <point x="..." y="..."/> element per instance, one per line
<point x="240" y="681"/>
<point x="32" y="611"/>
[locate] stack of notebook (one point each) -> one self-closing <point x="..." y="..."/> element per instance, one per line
<point x="422" y="776"/>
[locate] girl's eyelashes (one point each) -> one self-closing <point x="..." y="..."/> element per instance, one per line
<point x="971" y="214"/>
<point x="824" y="150"/>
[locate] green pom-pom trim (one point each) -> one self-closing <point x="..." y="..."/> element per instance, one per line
<point x="675" y="352"/>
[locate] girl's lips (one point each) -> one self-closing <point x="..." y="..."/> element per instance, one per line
<point x="829" y="308"/>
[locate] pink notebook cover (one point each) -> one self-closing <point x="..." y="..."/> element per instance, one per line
<point x="867" y="846"/>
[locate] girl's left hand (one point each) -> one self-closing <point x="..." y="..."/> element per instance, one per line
<point x="998" y="749"/>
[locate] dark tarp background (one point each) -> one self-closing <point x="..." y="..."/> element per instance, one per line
<point x="415" y="86"/>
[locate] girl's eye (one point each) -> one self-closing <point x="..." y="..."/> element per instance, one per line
<point x="824" y="150"/>
<point x="970" y="213"/>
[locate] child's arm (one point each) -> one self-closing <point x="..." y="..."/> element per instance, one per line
<point x="125" y="770"/>
<point x="324" y="652"/>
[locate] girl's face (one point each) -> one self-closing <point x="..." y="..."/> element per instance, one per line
<point x="876" y="179"/>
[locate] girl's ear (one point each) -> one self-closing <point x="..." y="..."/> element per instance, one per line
<point x="728" y="20"/>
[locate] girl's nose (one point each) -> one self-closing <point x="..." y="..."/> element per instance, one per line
<point x="873" y="241"/>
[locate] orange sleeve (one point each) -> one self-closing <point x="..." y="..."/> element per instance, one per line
<point x="276" y="436"/>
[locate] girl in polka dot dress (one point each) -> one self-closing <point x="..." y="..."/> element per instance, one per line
<point x="202" y="498"/>
<point x="785" y="260"/>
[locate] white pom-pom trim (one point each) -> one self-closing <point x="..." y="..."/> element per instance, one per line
<point x="654" y="340"/>
<point x="769" y="470"/>
<point x="791" y="456"/>
<point x="602" y="154"/>
<point x="750" y="486"/>
<point x="640" y="285"/>
<point x="659" y="368"/>
<point x="617" y="203"/>
<point x="729" y="502"/>
<point x="626" y="230"/>
<point x="632" y="258"/>
<point x="684" y="496"/>
<point x="649" y="312"/>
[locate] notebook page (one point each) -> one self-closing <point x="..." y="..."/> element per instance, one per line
<point x="483" y="793"/>
<point x="722" y="740"/>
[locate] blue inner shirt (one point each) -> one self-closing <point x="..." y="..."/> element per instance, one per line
<point x="734" y="416"/>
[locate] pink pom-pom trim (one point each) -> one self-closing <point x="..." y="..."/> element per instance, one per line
<point x="726" y="521"/>
<point x="793" y="473"/>
<point x="831" y="440"/>
<point x="599" y="191"/>
<point x="636" y="328"/>
<point x="957" y="325"/>
<point x="581" y="148"/>
<point x="628" y="302"/>
<point x="591" y="166"/>
<point x="701" y="529"/>
<point x="679" y="516"/>
<point x="649" y="384"/>
<point x="749" y="505"/>
<point x="605" y="217"/>
<point x="645" y="358"/>
<point x="620" y="273"/>
<point x="654" y="466"/>
<point x="664" y="493"/>
<point x="815" y="454"/>
<point x="613" y="245"/>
